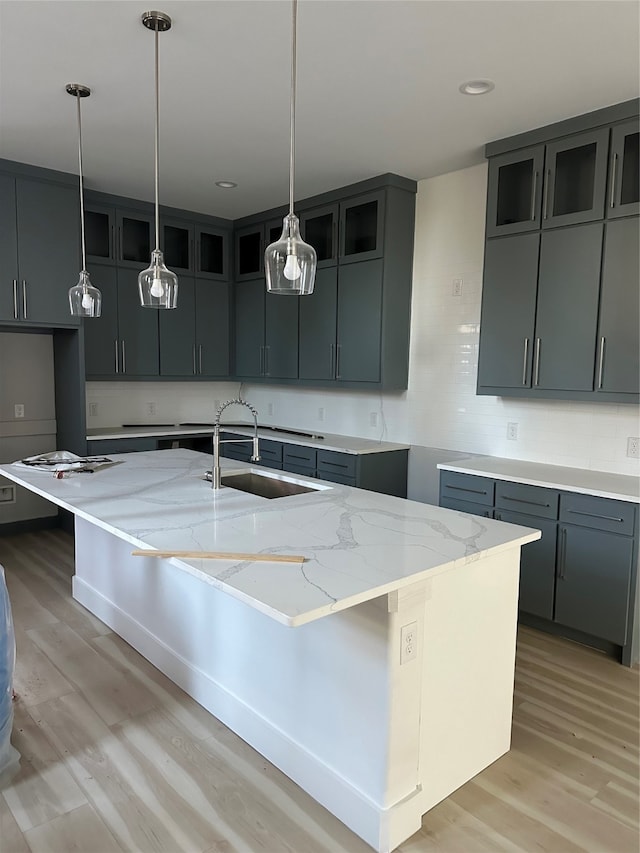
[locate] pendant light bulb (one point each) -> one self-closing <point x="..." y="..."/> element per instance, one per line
<point x="290" y="263"/>
<point x="157" y="285"/>
<point x="85" y="300"/>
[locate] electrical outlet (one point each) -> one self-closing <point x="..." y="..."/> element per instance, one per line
<point x="93" y="410"/>
<point x="270" y="408"/>
<point x="456" y="289"/>
<point x="633" y="447"/>
<point x="512" y="431"/>
<point x="408" y="642"/>
<point x="151" y="409"/>
<point x="373" y="419"/>
<point x="18" y="410"/>
<point x="321" y="413"/>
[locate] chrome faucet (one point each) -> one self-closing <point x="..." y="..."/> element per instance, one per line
<point x="255" y="456"/>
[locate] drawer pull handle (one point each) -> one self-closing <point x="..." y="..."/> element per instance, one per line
<point x="15" y="299"/>
<point x="523" y="501"/>
<point x="563" y="552"/>
<point x="295" y="456"/>
<point x="596" y="515"/>
<point x="464" y="489"/>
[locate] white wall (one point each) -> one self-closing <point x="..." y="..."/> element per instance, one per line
<point x="440" y="408"/>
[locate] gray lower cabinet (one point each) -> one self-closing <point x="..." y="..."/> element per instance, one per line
<point x="40" y="251"/>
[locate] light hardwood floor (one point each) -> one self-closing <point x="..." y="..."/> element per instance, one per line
<point x="116" y="758"/>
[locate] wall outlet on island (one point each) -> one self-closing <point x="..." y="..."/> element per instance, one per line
<point x="18" y="410"/>
<point x="633" y="447"/>
<point x="151" y="409"/>
<point x="512" y="431"/>
<point x="408" y="642"/>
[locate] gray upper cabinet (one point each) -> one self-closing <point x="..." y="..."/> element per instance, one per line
<point x="618" y="330"/>
<point x="212" y="255"/>
<point x="249" y="252"/>
<point x="100" y="233"/>
<point x="39" y="241"/>
<point x="280" y="359"/>
<point x="319" y="228"/>
<point x="117" y="235"/>
<point x="362" y="228"/>
<point x="624" y="171"/>
<point x="514" y="192"/>
<point x="178" y="355"/>
<point x="317" y="341"/>
<point x="266" y="332"/>
<point x="575" y="179"/>
<point x="357" y="357"/>
<point x="102" y="344"/>
<point x="212" y="328"/>
<point x="249" y="328"/>
<point x="177" y="243"/>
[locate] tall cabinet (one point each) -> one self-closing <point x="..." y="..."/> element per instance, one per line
<point x="560" y="292"/>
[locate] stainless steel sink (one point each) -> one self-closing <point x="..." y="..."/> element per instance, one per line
<point x="267" y="486"/>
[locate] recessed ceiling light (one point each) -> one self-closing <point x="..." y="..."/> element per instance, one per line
<point x="226" y="185"/>
<point x="477" y="87"/>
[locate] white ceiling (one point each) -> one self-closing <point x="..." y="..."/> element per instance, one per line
<point x="377" y="88"/>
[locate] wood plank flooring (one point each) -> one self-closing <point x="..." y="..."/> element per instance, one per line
<point x="117" y="758"/>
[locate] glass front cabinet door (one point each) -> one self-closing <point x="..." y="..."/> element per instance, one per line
<point x="319" y="228"/>
<point x="515" y="192"/>
<point x="624" y="171"/>
<point x="362" y="228"/>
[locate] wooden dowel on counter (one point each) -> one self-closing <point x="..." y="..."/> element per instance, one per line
<point x="221" y="555"/>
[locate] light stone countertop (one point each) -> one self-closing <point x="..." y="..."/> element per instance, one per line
<point x="319" y="440"/>
<point x="602" y="484"/>
<point x="359" y="545"/>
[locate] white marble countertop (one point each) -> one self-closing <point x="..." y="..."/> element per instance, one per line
<point x="319" y="440"/>
<point x="359" y="545"/>
<point x="599" y="483"/>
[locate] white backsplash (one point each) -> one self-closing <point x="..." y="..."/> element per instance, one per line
<point x="440" y="408"/>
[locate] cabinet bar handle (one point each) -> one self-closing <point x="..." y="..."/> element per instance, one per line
<point x="124" y="358"/>
<point x="525" y="358"/>
<point x="534" y="187"/>
<point x="464" y="489"/>
<point x="200" y="357"/>
<point x="596" y="515"/>
<point x="24" y="299"/>
<point x="193" y="352"/>
<point x="601" y="365"/>
<point x="563" y="552"/>
<point x="338" y="348"/>
<point x="115" y="346"/>
<point x="523" y="501"/>
<point x="536" y="372"/>
<point x="15" y="299"/>
<point x="614" y="164"/>
<point x="546" y="193"/>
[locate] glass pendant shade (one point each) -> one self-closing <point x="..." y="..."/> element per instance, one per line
<point x="290" y="263"/>
<point x="157" y="285"/>
<point x="85" y="300"/>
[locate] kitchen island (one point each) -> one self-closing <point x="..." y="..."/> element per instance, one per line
<point x="378" y="674"/>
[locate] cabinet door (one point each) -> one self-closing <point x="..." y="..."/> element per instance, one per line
<point x="100" y="233"/>
<point x="514" y="191"/>
<point x="138" y="329"/>
<point x="177" y="332"/>
<point x="9" y="301"/>
<point x="212" y="327"/>
<point x="101" y="344"/>
<point x="566" y="318"/>
<point x="177" y="245"/>
<point x="592" y="590"/>
<point x="575" y="179"/>
<point x="319" y="228"/>
<point x="281" y="336"/>
<point x="317" y="336"/>
<point x="212" y="253"/>
<point x="466" y="506"/>
<point x="359" y="322"/>
<point x="624" y="170"/>
<point x="48" y="221"/>
<point x="249" y="243"/>
<point x="249" y="328"/>
<point x="508" y="311"/>
<point x="362" y="228"/>
<point x="618" y="339"/>
<point x="134" y="238"/>
<point x="537" y="564"/>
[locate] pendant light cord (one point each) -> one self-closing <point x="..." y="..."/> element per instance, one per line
<point x="292" y="107"/>
<point x="84" y="260"/>
<point x="157" y="164"/>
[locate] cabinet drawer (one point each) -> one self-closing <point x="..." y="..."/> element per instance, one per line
<point x="299" y="457"/>
<point x="532" y="500"/>
<point x="598" y="513"/>
<point x="241" y="451"/>
<point x="339" y="463"/>
<point x="121" y="445"/>
<point x="268" y="463"/>
<point x="270" y="451"/>
<point x="466" y="487"/>
<point x="336" y="477"/>
<point x="292" y="468"/>
<point x="466" y="506"/>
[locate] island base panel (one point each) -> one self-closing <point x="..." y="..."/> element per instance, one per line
<point x="377" y="742"/>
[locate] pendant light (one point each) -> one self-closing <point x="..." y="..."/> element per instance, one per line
<point x="84" y="299"/>
<point x="290" y="263"/>
<point x="158" y="286"/>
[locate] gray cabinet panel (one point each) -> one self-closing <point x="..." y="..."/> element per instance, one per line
<point x="138" y="329"/>
<point x="359" y="319"/>
<point x="508" y="311"/>
<point x="537" y="564"/>
<point x="514" y="191"/>
<point x="317" y="337"/>
<point x="569" y="284"/>
<point x="212" y="327"/>
<point x="598" y="513"/>
<point x="8" y="251"/>
<point x="575" y="179"/>
<point x="467" y="487"/>
<point x="249" y="327"/>
<point x="624" y="170"/>
<point x="594" y="574"/>
<point x="618" y="338"/>
<point x="177" y="332"/>
<point x="281" y="336"/>
<point x="101" y="345"/>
